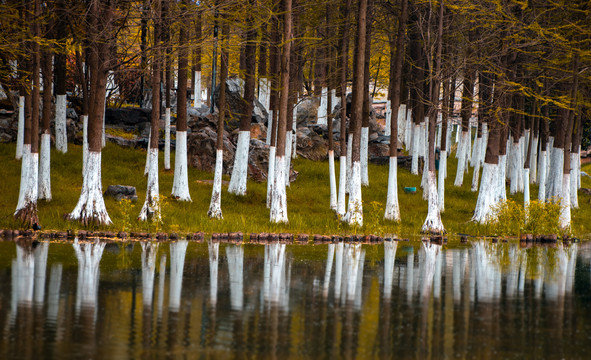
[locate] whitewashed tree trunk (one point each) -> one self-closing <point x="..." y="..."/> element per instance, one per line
<point x="475" y="149"/>
<point x="441" y="181"/>
<point x="349" y="162"/>
<point x="401" y="123"/>
<point x="269" y="127"/>
<point x="574" y="199"/>
<point x="462" y="153"/>
<point x="578" y="162"/>
<point x="44" y="189"/>
<point x="20" y="135"/>
<point x="215" y="205"/>
<point x="333" y="181"/>
<point x="271" y="175"/>
<point x="149" y="253"/>
<point x="91" y="205"/>
<point x="526" y="188"/>
<point x="516" y="168"/>
<point x="388" y="114"/>
<point x="167" y="139"/>
<point x="151" y="208"/>
<point x="147" y="167"/>
<point x="180" y="186"/>
<point x="392" y="211"/>
<point x="502" y="189"/>
<point x="288" y="148"/>
<point x="322" y="109"/>
<point x="415" y="148"/>
<point x="177" y="263"/>
<point x="364" y="155"/>
<point x="475" y="175"/>
<point x="408" y="138"/>
<point x="542" y="168"/>
<point x="565" y="215"/>
<point x="341" y="198"/>
<point x="554" y="181"/>
<point x="279" y="196"/>
<point x="534" y="161"/>
<point x="240" y="170"/>
<point x="28" y="193"/>
<point x="61" y="134"/>
<point x="354" y="214"/>
<point x="488" y="194"/>
<point x="84" y="143"/>
<point x="433" y="222"/>
<point x="197" y="86"/>
<point x="104" y="137"/>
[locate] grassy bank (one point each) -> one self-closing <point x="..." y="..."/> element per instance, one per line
<point x="307" y="199"/>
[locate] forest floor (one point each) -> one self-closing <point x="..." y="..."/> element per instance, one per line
<point x="307" y="199"/>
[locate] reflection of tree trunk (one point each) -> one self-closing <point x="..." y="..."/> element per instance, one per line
<point x="214" y="251"/>
<point x="235" y="256"/>
<point x="177" y="262"/>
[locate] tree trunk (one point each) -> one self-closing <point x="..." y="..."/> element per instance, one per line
<point x="279" y="197"/>
<point x="44" y="189"/>
<point x="355" y="210"/>
<point x="240" y="170"/>
<point x="196" y="83"/>
<point x="151" y="207"/>
<point x="180" y="186"/>
<point x="392" y="211"/>
<point x="366" y="100"/>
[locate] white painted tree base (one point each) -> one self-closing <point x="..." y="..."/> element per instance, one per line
<point x="279" y="196"/>
<point x="349" y="162"/>
<point x="332" y="180"/>
<point x="501" y="187"/>
<point x="475" y="175"/>
<point x="554" y="180"/>
<point x="215" y="205"/>
<point x="91" y="205"/>
<point x="462" y="155"/>
<point x="167" y="139"/>
<point x="354" y="214"/>
<point x="197" y="86"/>
<point x="392" y="211"/>
<point x="270" y="175"/>
<point x="44" y="189"/>
<point x="28" y="193"/>
<point x="147" y="167"/>
<point x="151" y="208"/>
<point x="61" y="133"/>
<point x="364" y="156"/>
<point x="265" y="92"/>
<point x="84" y="143"/>
<point x="565" y="214"/>
<point x="341" y="198"/>
<point x="415" y="148"/>
<point x="573" y="180"/>
<point x="526" y="196"/>
<point x="288" y="148"/>
<point x="488" y="194"/>
<point x="20" y="135"/>
<point x="516" y="168"/>
<point x="322" y="109"/>
<point x="269" y="127"/>
<point x="441" y="183"/>
<point x="534" y="161"/>
<point x="240" y="171"/>
<point x="542" y="168"/>
<point x="180" y="185"/>
<point x="433" y="224"/>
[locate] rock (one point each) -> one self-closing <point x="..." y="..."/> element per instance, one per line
<point x="127" y="116"/>
<point x="312" y="147"/>
<point x="586" y="191"/>
<point x="307" y="110"/>
<point x="71" y="114"/>
<point x="237" y="105"/>
<point x="120" y="192"/>
<point x="258" y="131"/>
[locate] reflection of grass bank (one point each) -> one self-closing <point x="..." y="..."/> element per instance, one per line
<point x="308" y="199"/>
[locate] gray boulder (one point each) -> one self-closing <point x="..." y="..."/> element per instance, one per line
<point x="120" y="192"/>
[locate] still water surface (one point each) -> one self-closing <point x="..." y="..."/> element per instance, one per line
<point x="211" y="300"/>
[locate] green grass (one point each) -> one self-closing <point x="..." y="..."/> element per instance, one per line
<point x="307" y="199"/>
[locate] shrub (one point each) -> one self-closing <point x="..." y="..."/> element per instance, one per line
<point x="539" y="218"/>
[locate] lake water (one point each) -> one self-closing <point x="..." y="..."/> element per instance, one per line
<point x="217" y="300"/>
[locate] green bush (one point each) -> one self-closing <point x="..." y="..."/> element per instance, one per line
<point x="539" y="218"/>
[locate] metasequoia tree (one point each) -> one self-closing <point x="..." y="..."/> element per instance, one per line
<point x="215" y="205"/>
<point x="392" y="211"/>
<point x="91" y="206"/>
<point x="59" y="78"/>
<point x="240" y="170"/>
<point x="279" y="196"/>
<point x="180" y="186"/>
<point x="26" y="209"/>
<point x="151" y="207"/>
<point x="354" y="214"/>
<point x="274" y="66"/>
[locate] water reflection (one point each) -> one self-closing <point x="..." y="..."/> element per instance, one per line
<point x="235" y="256"/>
<point x="414" y="300"/>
